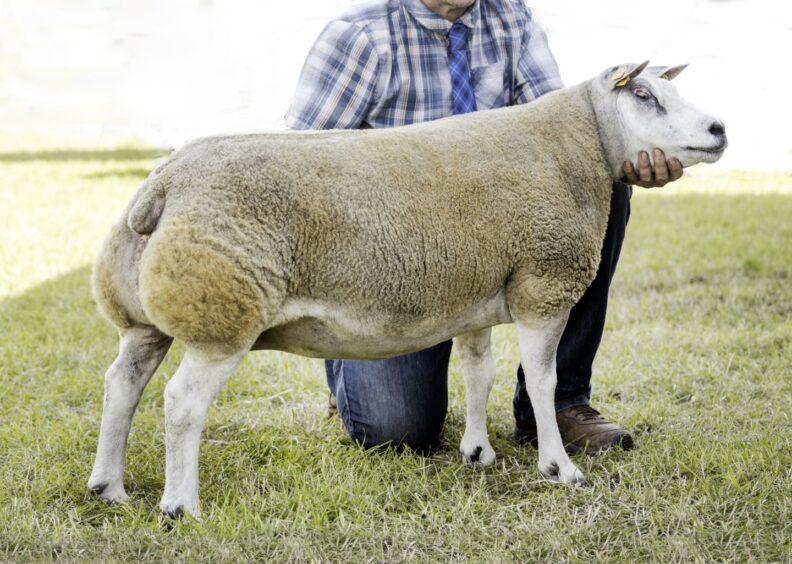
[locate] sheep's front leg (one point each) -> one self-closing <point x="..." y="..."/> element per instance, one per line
<point x="538" y="345"/>
<point x="478" y="370"/>
<point x="187" y="398"/>
<point x="141" y="352"/>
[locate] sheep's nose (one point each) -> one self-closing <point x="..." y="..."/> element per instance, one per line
<point x="717" y="129"/>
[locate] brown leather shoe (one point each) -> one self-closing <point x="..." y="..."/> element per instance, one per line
<point x="582" y="427"/>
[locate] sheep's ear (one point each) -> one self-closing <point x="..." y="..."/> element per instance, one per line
<point x="673" y="72"/>
<point x="623" y="75"/>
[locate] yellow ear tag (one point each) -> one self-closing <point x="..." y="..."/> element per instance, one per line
<point x="620" y="77"/>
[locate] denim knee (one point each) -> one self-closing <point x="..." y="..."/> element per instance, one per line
<point x="421" y="433"/>
<point x="398" y="401"/>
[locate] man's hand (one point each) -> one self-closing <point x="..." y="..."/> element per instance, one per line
<point x="646" y="177"/>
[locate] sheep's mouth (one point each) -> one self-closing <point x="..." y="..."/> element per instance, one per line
<point x="716" y="150"/>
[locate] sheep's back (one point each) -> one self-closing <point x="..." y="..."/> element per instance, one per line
<point x="415" y="221"/>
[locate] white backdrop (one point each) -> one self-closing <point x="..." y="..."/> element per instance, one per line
<point x="162" y="71"/>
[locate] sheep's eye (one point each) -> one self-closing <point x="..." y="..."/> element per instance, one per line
<point x="642" y="93"/>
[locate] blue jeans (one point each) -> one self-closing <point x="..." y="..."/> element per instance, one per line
<point x="403" y="400"/>
<point x="399" y="400"/>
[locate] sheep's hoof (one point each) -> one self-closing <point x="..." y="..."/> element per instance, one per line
<point x="570" y="475"/>
<point x="98" y="489"/>
<point x="574" y="478"/>
<point x="478" y="454"/>
<point x="108" y="493"/>
<point x="173" y="513"/>
<point x="177" y="510"/>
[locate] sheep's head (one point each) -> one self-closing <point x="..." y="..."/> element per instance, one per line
<point x="638" y="109"/>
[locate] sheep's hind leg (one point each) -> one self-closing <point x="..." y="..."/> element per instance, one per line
<point x="141" y="351"/>
<point x="187" y="398"/>
<point x="538" y="345"/>
<point x="478" y="370"/>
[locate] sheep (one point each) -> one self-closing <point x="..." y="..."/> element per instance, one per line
<point x="369" y="244"/>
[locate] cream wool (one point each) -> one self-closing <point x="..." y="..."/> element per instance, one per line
<point x="397" y="225"/>
<point x="368" y="244"/>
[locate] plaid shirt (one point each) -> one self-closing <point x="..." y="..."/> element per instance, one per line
<point x="385" y="63"/>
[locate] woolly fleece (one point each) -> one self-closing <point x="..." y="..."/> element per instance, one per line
<point x="397" y="227"/>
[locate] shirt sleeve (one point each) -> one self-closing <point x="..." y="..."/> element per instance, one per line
<point x="337" y="85"/>
<point x="537" y="70"/>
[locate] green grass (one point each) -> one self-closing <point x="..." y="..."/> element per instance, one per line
<point x="696" y="361"/>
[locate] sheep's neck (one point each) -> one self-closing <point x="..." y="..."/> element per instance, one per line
<point x="607" y="121"/>
<point x="566" y="124"/>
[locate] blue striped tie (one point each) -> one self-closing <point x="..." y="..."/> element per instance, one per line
<point x="461" y="88"/>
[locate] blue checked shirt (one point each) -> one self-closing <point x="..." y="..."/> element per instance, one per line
<point x="385" y="63"/>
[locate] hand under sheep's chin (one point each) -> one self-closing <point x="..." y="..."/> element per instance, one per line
<point x="654" y="173"/>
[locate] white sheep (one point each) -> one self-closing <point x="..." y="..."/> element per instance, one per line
<point x="370" y="244"/>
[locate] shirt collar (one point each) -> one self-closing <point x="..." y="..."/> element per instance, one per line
<point x="437" y="23"/>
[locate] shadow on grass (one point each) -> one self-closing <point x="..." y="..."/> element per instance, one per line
<point x="53" y="326"/>
<point x="64" y="155"/>
<point x="70" y="291"/>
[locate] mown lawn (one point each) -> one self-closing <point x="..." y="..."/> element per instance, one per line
<point x="696" y="361"/>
